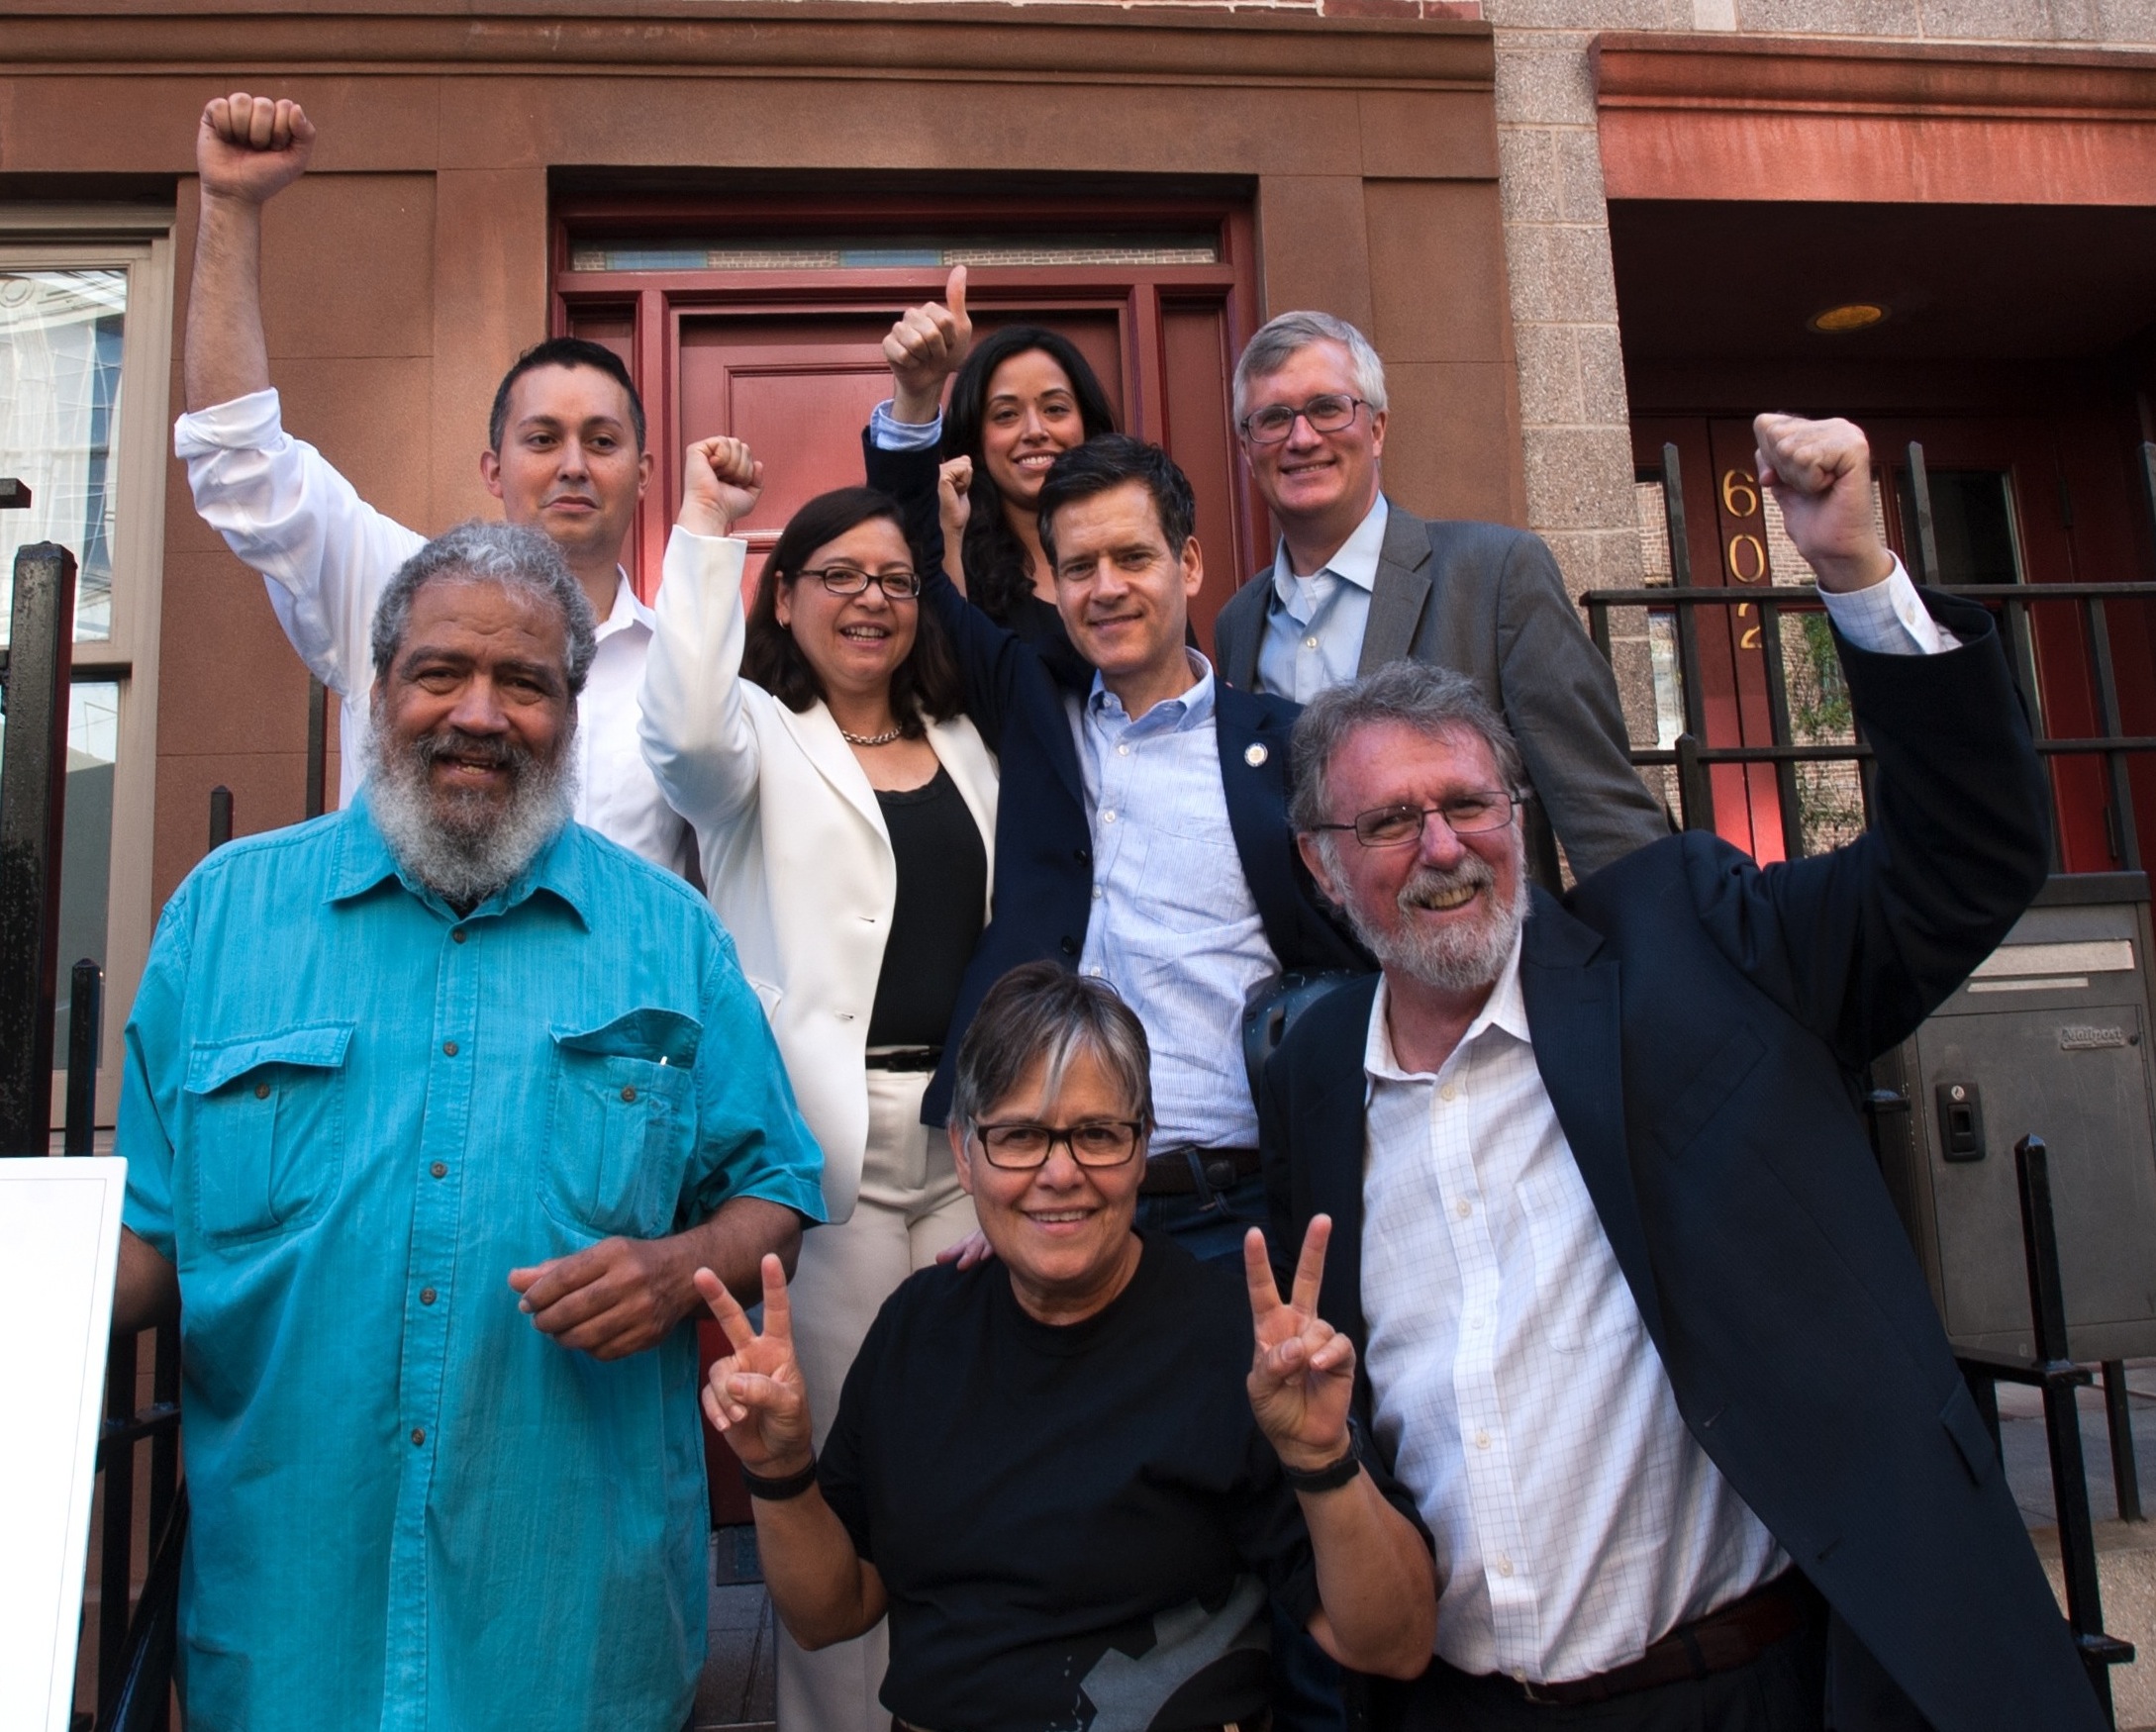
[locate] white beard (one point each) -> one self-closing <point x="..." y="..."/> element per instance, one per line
<point x="461" y="845"/>
<point x="1458" y="958"/>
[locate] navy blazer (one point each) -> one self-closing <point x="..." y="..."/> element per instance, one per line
<point x="1700" y="1025"/>
<point x="1017" y="695"/>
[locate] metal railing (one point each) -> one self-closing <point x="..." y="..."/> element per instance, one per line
<point x="1692" y="757"/>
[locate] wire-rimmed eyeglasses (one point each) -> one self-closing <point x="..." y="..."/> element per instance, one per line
<point x="1328" y="411"/>
<point x="1394" y="827"/>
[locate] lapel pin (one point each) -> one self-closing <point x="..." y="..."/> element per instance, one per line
<point x="1254" y="755"/>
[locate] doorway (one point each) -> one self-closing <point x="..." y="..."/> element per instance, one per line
<point x="763" y="319"/>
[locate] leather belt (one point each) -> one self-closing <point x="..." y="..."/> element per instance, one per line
<point x="1262" y="1722"/>
<point x="1724" y="1639"/>
<point x="1188" y="1171"/>
<point x="904" y="1058"/>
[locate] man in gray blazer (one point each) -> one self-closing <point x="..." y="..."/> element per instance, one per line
<point x="1358" y="582"/>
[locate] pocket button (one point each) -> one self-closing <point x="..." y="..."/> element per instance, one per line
<point x="262" y="1090"/>
<point x="630" y="1092"/>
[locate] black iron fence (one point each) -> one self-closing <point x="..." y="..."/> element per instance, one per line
<point x="1692" y="757"/>
<point x="134" y="1635"/>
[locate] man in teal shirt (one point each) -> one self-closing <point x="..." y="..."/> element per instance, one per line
<point x="431" y="1110"/>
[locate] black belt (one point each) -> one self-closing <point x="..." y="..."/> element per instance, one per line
<point x="1196" y="1171"/>
<point x="906" y="1058"/>
<point x="1726" y="1638"/>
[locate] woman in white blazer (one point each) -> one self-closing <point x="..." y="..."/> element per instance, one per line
<point x="846" y="814"/>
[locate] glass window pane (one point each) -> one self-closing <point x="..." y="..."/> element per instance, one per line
<point x="889" y="251"/>
<point x="93" y="753"/>
<point x="60" y="337"/>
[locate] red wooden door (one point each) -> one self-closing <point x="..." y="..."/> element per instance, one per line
<point x="788" y="355"/>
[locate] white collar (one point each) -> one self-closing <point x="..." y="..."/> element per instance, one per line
<point x="1355" y="561"/>
<point x="1506" y="1009"/>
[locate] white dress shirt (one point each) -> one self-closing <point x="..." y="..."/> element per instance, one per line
<point x="1314" y="625"/>
<point x="1576" y="1518"/>
<point x="1174" y="928"/>
<point x="325" y="556"/>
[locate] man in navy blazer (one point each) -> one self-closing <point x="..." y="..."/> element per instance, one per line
<point x="1141" y="830"/>
<point x="1638" y="1324"/>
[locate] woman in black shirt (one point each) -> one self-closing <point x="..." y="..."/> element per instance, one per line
<point x="1064" y="1473"/>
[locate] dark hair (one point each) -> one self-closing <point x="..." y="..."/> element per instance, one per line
<point x="1111" y="461"/>
<point x="924" y="686"/>
<point x="563" y="351"/>
<point x="997" y="567"/>
<point x="515" y="556"/>
<point x="1043" y="1012"/>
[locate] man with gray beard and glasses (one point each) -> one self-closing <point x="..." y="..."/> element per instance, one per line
<point x="1640" y="1328"/>
<point x="432" y="1111"/>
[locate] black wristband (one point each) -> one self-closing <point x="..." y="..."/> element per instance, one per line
<point x="778" y="1491"/>
<point x="1334" y="1475"/>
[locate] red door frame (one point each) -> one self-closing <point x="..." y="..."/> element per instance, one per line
<point x="654" y="302"/>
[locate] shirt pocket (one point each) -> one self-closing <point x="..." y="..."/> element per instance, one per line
<point x="269" y="1133"/>
<point x="623" y="1123"/>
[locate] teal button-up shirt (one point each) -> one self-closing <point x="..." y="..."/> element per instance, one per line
<point x="347" y="1114"/>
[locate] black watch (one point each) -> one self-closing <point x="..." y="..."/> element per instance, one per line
<point x="1334" y="1475"/>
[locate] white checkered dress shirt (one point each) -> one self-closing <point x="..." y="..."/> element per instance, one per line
<point x="1577" y="1520"/>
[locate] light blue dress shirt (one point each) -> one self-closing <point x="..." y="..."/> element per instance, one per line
<point x="893" y="435"/>
<point x="1175" y="928"/>
<point x="347" y="1114"/>
<point x="1314" y="625"/>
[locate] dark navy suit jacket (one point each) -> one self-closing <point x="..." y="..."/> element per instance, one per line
<point x="1016" y="694"/>
<point x="1700" y="1025"/>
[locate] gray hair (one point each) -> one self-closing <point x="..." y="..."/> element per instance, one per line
<point x="1432" y="701"/>
<point x="1278" y="340"/>
<point x="515" y="558"/>
<point x="1041" y="1013"/>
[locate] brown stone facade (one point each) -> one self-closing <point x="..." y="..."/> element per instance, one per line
<point x="407" y="269"/>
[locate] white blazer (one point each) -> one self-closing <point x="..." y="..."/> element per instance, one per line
<point x="796" y="857"/>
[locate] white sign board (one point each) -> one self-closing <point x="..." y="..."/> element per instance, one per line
<point x="60" y="1244"/>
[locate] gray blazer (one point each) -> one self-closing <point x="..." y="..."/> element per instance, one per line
<point x="1488" y="601"/>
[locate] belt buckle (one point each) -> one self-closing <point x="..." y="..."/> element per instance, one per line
<point x="1534" y="1695"/>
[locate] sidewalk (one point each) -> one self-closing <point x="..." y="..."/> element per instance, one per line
<point x="2125" y="1551"/>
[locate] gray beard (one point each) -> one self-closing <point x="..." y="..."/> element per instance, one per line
<point x="1457" y="959"/>
<point x="462" y="846"/>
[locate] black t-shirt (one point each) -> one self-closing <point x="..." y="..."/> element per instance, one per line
<point x="942" y="889"/>
<point x="1077" y="1525"/>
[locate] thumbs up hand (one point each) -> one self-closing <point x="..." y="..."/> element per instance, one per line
<point x="925" y="348"/>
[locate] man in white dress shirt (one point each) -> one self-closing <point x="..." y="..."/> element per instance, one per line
<point x="1640" y="1329"/>
<point x="565" y="454"/>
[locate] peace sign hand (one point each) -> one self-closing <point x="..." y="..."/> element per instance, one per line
<point x="1303" y="1370"/>
<point x="754" y="1398"/>
<point x="926" y="346"/>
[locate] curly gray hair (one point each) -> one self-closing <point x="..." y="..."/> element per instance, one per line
<point x="515" y="558"/>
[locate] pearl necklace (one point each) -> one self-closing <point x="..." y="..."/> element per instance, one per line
<point x="884" y="738"/>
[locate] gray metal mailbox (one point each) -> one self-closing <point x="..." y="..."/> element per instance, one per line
<point x="2050" y="1035"/>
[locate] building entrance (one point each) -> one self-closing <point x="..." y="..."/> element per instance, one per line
<point x="764" y="319"/>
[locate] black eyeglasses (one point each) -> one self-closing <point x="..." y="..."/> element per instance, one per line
<point x="1329" y="413"/>
<point x="1096" y="1142"/>
<point x="1394" y="827"/>
<point x="843" y="580"/>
